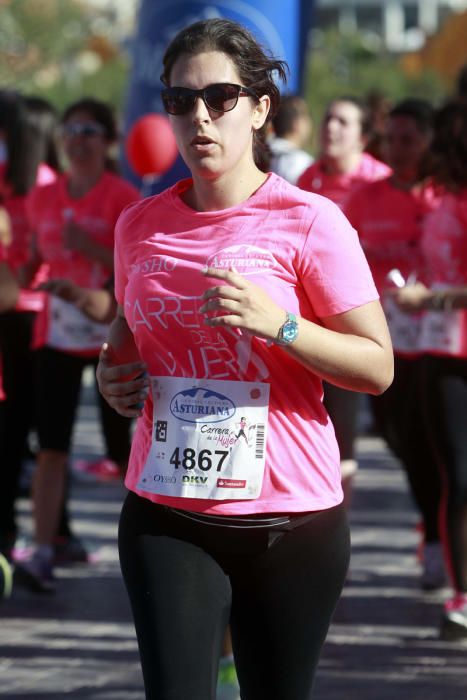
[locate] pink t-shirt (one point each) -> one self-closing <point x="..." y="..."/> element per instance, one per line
<point x="338" y="186"/>
<point x="96" y="212"/>
<point x="16" y="206"/>
<point x="301" y="249"/>
<point x="444" y="247"/>
<point x="389" y="223"/>
<point x="20" y="248"/>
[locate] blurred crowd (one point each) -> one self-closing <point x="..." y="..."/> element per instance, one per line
<point x="399" y="173"/>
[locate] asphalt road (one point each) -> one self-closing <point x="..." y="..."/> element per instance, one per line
<point x="383" y="644"/>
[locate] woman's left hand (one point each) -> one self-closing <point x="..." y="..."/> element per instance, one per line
<point x="241" y="304"/>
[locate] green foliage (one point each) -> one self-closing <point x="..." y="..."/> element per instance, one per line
<point x="356" y="64"/>
<point x="61" y="50"/>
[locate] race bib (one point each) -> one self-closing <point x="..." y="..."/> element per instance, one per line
<point x="69" y="329"/>
<point x="403" y="327"/>
<point x="444" y="331"/>
<point x="209" y="439"/>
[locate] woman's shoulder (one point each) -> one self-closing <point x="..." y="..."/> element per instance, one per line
<point x="309" y="204"/>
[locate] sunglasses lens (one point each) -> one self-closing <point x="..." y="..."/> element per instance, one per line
<point x="178" y="100"/>
<point x="82" y="130"/>
<point x="221" y="98"/>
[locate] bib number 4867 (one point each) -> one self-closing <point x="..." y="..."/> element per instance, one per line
<point x="204" y="459"/>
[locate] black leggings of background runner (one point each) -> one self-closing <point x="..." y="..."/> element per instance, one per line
<point x="445" y="408"/>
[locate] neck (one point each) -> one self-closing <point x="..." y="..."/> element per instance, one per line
<point x="341" y="166"/>
<point x="82" y="181"/>
<point x="223" y="192"/>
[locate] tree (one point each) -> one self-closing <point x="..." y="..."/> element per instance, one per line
<point x="61" y="50"/>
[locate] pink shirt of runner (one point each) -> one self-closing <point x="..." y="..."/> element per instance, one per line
<point x="16" y="207"/>
<point x="297" y="246"/>
<point x="444" y="247"/>
<point x="49" y="208"/>
<point x="338" y="186"/>
<point x="97" y="212"/>
<point x="389" y="222"/>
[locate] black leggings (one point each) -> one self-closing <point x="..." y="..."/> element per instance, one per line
<point x="445" y="406"/>
<point x="343" y="407"/>
<point x="400" y="416"/>
<point x="58" y="383"/>
<point x="18" y="381"/>
<point x="187" y="580"/>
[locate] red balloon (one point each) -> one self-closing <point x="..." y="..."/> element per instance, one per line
<point x="151" y="148"/>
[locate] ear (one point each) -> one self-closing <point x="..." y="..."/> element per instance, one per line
<point x="261" y="112"/>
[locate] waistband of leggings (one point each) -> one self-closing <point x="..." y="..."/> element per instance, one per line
<point x="287" y="521"/>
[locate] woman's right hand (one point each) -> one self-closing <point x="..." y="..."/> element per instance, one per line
<point x="125" y="387"/>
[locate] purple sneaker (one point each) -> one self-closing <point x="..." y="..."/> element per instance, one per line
<point x="36" y="574"/>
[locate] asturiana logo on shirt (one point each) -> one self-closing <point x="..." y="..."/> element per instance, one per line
<point x="246" y="259"/>
<point x="191" y="405"/>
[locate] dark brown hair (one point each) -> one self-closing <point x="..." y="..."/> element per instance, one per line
<point x="256" y="67"/>
<point x="99" y="111"/>
<point x="449" y="146"/>
<point x="102" y="114"/>
<point x="291" y="108"/>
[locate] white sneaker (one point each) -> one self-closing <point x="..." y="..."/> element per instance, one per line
<point x="454" y="621"/>
<point x="434" y="571"/>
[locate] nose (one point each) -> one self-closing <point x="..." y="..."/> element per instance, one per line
<point x="200" y="111"/>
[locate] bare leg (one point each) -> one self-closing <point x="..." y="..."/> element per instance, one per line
<point x="48" y="494"/>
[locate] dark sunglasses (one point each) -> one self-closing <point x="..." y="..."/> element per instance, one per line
<point x="219" y="97"/>
<point x="82" y="129"/>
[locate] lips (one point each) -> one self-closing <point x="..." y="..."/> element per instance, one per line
<point x="202" y="141"/>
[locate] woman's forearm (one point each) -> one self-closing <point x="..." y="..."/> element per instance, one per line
<point x="97" y="304"/>
<point x="122" y="341"/>
<point x="356" y="362"/>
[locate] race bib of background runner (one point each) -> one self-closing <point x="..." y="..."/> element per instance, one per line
<point x="209" y="439"/>
<point x="69" y="329"/>
<point x="403" y="327"/>
<point x="444" y="332"/>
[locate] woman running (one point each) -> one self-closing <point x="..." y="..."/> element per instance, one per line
<point x="240" y="293"/>
<point x="74" y="221"/>
<point x="389" y="216"/>
<point x="443" y="339"/>
<point x="343" y="165"/>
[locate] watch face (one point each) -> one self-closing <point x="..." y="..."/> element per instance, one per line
<point x="289" y="331"/>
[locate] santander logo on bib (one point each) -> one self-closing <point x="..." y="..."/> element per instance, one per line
<point x="246" y="259"/>
<point x="192" y="404"/>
